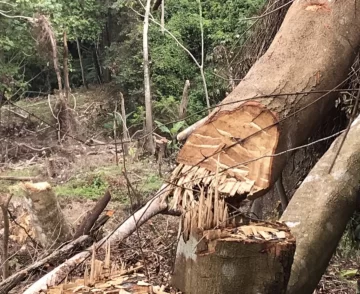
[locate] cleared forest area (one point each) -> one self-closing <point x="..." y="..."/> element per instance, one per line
<point x="179" y="146"/>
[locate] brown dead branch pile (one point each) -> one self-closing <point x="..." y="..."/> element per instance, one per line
<point x="123" y="269"/>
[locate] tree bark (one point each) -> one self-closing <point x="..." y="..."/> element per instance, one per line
<point x="97" y="65"/>
<point x="51" y="228"/>
<point x="46" y="26"/>
<point x="318" y="231"/>
<point x="263" y="33"/>
<point x="150" y="146"/>
<point x="125" y="134"/>
<point x="66" y="69"/>
<point x="81" y="63"/>
<point x="225" y="262"/>
<point x="89" y="220"/>
<point x="163" y="16"/>
<point x="278" y="96"/>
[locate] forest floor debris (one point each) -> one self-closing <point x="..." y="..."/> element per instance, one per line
<point x="82" y="173"/>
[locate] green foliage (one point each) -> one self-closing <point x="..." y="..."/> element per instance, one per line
<point x="91" y="187"/>
<point x="170" y="64"/>
<point x="152" y="183"/>
<point x="21" y="69"/>
<point x="115" y="30"/>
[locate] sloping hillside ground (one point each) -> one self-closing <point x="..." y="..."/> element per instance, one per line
<point x="80" y="174"/>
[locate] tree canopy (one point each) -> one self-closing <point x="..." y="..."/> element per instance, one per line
<point x="110" y="36"/>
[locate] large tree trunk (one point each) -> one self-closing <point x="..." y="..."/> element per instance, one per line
<point x="334" y="195"/>
<point x="290" y="80"/>
<point x="239" y="151"/>
<point x="150" y="146"/>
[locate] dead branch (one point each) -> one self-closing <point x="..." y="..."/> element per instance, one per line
<point x="155" y="206"/>
<point x="126" y="135"/>
<point x="188" y="131"/>
<point x="56" y="257"/>
<point x="21" y="179"/>
<point x="89" y="220"/>
<point x="4" y="204"/>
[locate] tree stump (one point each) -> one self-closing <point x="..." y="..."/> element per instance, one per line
<point x="51" y="227"/>
<point x="254" y="258"/>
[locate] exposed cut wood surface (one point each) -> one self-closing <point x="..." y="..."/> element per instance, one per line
<point x="219" y="143"/>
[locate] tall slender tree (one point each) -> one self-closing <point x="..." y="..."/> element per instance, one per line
<point x="150" y="146"/>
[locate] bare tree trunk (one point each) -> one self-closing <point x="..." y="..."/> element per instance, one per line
<point x="334" y="195"/>
<point x="44" y="22"/>
<point x="202" y="72"/>
<point x="150" y="146"/>
<point x="184" y="100"/>
<point x="62" y="103"/>
<point x="66" y="69"/>
<point x="97" y="65"/>
<point x="49" y="223"/>
<point x="124" y="126"/>
<point x="163" y="16"/>
<point x="81" y="63"/>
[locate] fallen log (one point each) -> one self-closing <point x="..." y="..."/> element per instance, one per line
<point x="57" y="256"/>
<point x="320" y="209"/>
<point x="151" y="208"/>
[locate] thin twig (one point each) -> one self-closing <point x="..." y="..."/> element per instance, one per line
<point x="129" y="188"/>
<point x="268" y="13"/>
<point x="115" y="135"/>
